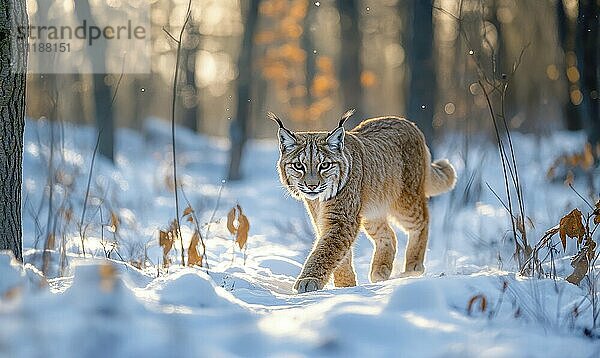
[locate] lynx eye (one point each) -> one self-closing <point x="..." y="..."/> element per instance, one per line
<point x="298" y="166"/>
<point x="325" y="165"/>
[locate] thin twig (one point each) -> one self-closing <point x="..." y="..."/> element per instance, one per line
<point x="89" y="181"/>
<point x="504" y="170"/>
<point x="499" y="199"/>
<point x="173" y="107"/>
<point x="87" y="193"/>
<point x="580" y="196"/>
<point x="212" y="216"/>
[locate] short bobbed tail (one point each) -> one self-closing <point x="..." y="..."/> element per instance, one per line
<point x="440" y="178"/>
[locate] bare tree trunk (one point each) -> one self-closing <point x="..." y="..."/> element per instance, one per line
<point x="13" y="66"/>
<point x="104" y="117"/>
<point x="350" y="63"/>
<point x="588" y="24"/>
<point x="190" y="97"/>
<point x="309" y="46"/>
<point x="566" y="35"/>
<point x="238" y="131"/>
<point x="102" y="94"/>
<point x="421" y="93"/>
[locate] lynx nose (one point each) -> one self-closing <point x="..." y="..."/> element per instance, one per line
<point x="311" y="186"/>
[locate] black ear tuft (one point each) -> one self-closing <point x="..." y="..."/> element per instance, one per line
<point x="272" y="116"/>
<point x="345" y="117"/>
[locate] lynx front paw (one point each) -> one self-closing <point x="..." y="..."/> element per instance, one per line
<point x="380" y="273"/>
<point x="406" y="274"/>
<point x="308" y="284"/>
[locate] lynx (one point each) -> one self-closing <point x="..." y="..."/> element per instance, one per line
<point x="381" y="171"/>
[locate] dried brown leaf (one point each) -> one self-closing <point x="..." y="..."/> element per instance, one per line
<point x="50" y="242"/>
<point x="520" y="225"/>
<point x="242" y="231"/>
<point x="169" y="183"/>
<point x="188" y="211"/>
<point x="482" y="303"/>
<point x="230" y="219"/>
<point x="591" y="249"/>
<point x="114" y="222"/>
<point x="165" y="240"/>
<point x="551" y="173"/>
<point x="571" y="225"/>
<point x="194" y="257"/>
<point x="68" y="214"/>
<point x="588" y="157"/>
<point x="580" y="265"/>
<point x="570" y="178"/>
<point x="138" y="264"/>
<point x="108" y="277"/>
<point x="12" y="293"/>
<point x="597" y="213"/>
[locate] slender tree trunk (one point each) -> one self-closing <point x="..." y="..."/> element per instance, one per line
<point x="566" y="36"/>
<point x="588" y="23"/>
<point x="102" y="94"/>
<point x="309" y="46"/>
<point x="350" y="63"/>
<point x="421" y="93"/>
<point x="13" y="66"/>
<point x="238" y="131"/>
<point x="190" y="96"/>
<point x="104" y="117"/>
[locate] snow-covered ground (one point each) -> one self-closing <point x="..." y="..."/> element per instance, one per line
<point x="244" y="305"/>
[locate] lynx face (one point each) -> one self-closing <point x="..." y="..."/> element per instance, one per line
<point x="313" y="165"/>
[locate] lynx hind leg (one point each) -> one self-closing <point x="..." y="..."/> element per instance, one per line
<point x="344" y="275"/>
<point x="413" y="216"/>
<point x="384" y="239"/>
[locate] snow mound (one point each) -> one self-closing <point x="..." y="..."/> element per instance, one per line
<point x="192" y="288"/>
<point x="98" y="287"/>
<point x="418" y="295"/>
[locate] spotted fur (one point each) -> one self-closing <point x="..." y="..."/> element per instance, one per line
<point x="363" y="178"/>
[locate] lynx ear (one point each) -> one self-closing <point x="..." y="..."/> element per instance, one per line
<point x="335" y="139"/>
<point x="287" y="139"/>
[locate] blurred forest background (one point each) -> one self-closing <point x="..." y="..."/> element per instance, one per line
<point x="309" y="61"/>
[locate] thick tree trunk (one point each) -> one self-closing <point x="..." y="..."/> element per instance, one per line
<point x="421" y="93"/>
<point x="238" y="131"/>
<point x="13" y="66"/>
<point x="350" y="62"/>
